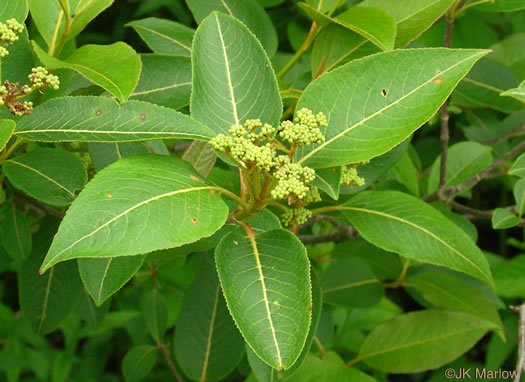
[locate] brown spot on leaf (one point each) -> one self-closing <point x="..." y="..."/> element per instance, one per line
<point x="143" y="117"/>
<point x="197" y="179"/>
<point x="334" y="169"/>
<point x="235" y="242"/>
<point x="212" y="192"/>
<point x="437" y="81"/>
<point x="109" y="196"/>
<point x="172" y="127"/>
<point x="193" y="220"/>
<point x="98" y="112"/>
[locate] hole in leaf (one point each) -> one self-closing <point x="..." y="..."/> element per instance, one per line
<point x="383" y="92"/>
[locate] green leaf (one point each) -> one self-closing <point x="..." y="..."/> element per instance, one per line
<point x="105" y="153"/>
<point x="447" y="292"/>
<point x="104" y="277"/>
<point x="422" y="340"/>
<point x="132" y="207"/>
<point x="502" y="218"/>
<point x="384" y="265"/>
<point x="519" y="195"/>
<point x="464" y="160"/>
<point x="85" y="13"/>
<point x="499" y="5"/>
<point x="46" y="300"/>
<point x="100" y="119"/>
<point x="156" y="312"/>
<point x="138" y="362"/>
<point x="517" y="93"/>
<point x="329" y="180"/>
<point x="164" y="36"/>
<point x="118" y="72"/>
<point x="164" y="80"/>
<point x="266" y="282"/>
<point x="413" y="17"/>
<point x="263" y="371"/>
<point x="363" y="100"/>
<point x="509" y="52"/>
<point x="322" y="6"/>
<point x="52" y="176"/>
<point x="372" y="23"/>
<point x="7" y="127"/>
<point x="518" y="167"/>
<point x="13" y="9"/>
<point x="91" y="313"/>
<point x="406" y="173"/>
<point x="249" y="12"/>
<point x="208" y="346"/>
<point x="228" y="89"/>
<point x="201" y="156"/>
<point x="336" y="45"/>
<point x="351" y="283"/>
<point x="483" y="86"/>
<point x="46" y="15"/>
<point x="15" y="234"/>
<point x="509" y="277"/>
<point x="327" y="369"/>
<point x="408" y="226"/>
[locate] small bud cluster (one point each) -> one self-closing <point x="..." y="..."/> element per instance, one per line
<point x="292" y="179"/>
<point x="349" y="176"/>
<point x="312" y="196"/>
<point x="254" y="146"/>
<point x="40" y="77"/>
<point x="296" y="216"/>
<point x="8" y="34"/>
<point x="304" y="130"/>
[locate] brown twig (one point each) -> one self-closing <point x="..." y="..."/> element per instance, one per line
<point x="446" y="194"/>
<point x="480" y="175"/>
<point x="167" y="356"/>
<point x="520" y="366"/>
<point x="344" y="233"/>
<point x="505" y="135"/>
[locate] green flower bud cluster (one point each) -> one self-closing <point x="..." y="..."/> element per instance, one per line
<point x="313" y="195"/>
<point x="8" y="34"/>
<point x="253" y="145"/>
<point x="40" y="77"/>
<point x="244" y="147"/>
<point x="304" y="130"/>
<point x="349" y="176"/>
<point x="292" y="179"/>
<point x="296" y="216"/>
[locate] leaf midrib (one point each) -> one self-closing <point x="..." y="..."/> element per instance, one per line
<point x="164" y="36"/>
<point x="437" y="238"/>
<point x="416" y="343"/>
<point x="50" y="262"/>
<point x="43" y="176"/>
<point x="210" y="334"/>
<point x="382" y="110"/>
<point x="228" y="74"/>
